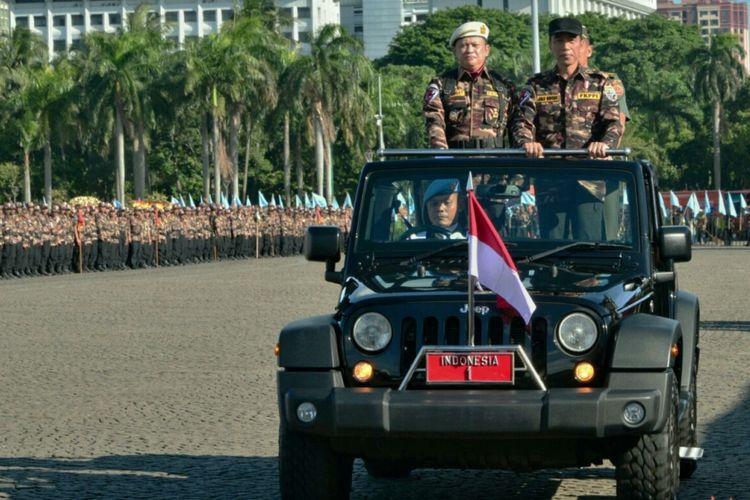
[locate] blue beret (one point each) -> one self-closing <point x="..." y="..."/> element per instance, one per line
<point x="441" y="186"/>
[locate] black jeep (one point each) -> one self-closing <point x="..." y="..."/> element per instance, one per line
<point x="606" y="367"/>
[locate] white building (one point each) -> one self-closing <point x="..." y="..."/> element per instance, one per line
<point x="376" y="22"/>
<point x="62" y="24"/>
<point x="4" y="18"/>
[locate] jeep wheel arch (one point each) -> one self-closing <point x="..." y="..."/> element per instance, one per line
<point x="644" y="342"/>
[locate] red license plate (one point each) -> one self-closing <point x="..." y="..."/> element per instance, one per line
<point x="480" y="366"/>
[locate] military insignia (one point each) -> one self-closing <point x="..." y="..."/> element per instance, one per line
<point x="547" y="98"/>
<point x="617" y="84"/>
<point x="491" y="93"/>
<point x="493" y="113"/>
<point x="588" y="95"/>
<point x="525" y="96"/>
<point x="431" y="94"/>
<point x="454" y="115"/>
<point x="610" y="92"/>
<point x="483" y="29"/>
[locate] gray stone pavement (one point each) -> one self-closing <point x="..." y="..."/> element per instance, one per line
<point x="160" y="384"/>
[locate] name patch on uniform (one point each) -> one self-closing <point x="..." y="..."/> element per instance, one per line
<point x="545" y="98"/>
<point x="458" y="93"/>
<point x="491" y="93"/>
<point x="589" y="95"/>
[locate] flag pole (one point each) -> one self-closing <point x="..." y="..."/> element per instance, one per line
<point x="472" y="279"/>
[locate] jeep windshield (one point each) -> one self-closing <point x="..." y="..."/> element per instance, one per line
<point x="412" y="223"/>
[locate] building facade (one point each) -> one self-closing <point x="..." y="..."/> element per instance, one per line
<point x="376" y="22"/>
<point x="712" y="17"/>
<point x="4" y="18"/>
<point x="63" y="24"/>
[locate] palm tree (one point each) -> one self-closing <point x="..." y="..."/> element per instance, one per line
<point x="331" y="83"/>
<point x="116" y="71"/>
<point x="23" y="57"/>
<point x="718" y="76"/>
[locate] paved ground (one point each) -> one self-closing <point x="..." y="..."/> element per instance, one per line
<point x="160" y="384"/>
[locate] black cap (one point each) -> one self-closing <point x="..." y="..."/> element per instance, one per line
<point x="565" y="25"/>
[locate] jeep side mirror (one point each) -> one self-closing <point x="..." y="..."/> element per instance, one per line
<point x="675" y="243"/>
<point x="323" y="244"/>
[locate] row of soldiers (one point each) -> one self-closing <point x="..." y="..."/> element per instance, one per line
<point x="36" y="240"/>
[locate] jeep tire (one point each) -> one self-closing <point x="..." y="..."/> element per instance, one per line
<point x="688" y="429"/>
<point x="651" y="467"/>
<point x="310" y="469"/>
<point x="384" y="469"/>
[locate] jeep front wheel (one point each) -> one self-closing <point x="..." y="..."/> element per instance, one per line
<point x="651" y="467"/>
<point x="310" y="469"/>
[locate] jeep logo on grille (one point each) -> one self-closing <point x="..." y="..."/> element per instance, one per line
<point x="477" y="309"/>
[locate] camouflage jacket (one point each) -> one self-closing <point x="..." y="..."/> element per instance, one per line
<point x="472" y="109"/>
<point x="568" y="114"/>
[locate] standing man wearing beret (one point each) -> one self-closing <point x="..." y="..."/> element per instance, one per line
<point x="469" y="106"/>
<point x="569" y="106"/>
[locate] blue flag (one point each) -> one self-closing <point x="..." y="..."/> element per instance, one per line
<point x="308" y="202"/>
<point x="237" y="202"/>
<point x="693" y="205"/>
<point x="174" y="201"/>
<point x="722" y="208"/>
<point x="674" y="200"/>
<point x="192" y="203"/>
<point x="210" y="201"/>
<point x="182" y="202"/>
<point x="743" y="203"/>
<point x="335" y="204"/>
<point x="262" y="203"/>
<point x="348" y="200"/>
<point x="319" y="200"/>
<point x="273" y="200"/>
<point x="706" y="203"/>
<point x="730" y="204"/>
<point x="297" y="201"/>
<point x="664" y="213"/>
<point x="247" y="201"/>
<point x="281" y="202"/>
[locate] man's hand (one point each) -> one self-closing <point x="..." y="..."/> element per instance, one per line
<point x="534" y="149"/>
<point x="598" y="150"/>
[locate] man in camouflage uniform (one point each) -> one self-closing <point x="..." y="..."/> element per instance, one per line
<point x="569" y="107"/>
<point x="469" y="106"/>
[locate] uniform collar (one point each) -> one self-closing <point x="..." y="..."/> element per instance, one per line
<point x="465" y="73"/>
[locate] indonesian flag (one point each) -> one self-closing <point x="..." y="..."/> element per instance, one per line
<point x="491" y="264"/>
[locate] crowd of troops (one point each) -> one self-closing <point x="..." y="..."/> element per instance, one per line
<point x="715" y="228"/>
<point x="36" y="240"/>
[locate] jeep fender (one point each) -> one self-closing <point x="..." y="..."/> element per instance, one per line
<point x="687" y="312"/>
<point x="644" y="342"/>
<point x="309" y="343"/>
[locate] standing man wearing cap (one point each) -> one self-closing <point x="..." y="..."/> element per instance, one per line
<point x="469" y="106"/>
<point x="569" y="106"/>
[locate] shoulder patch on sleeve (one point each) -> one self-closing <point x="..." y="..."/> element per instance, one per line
<point x="524" y="97"/>
<point x="432" y="92"/>
<point x="610" y="92"/>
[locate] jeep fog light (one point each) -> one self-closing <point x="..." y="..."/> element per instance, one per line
<point x="362" y="371"/>
<point x="372" y="332"/>
<point x="634" y="413"/>
<point x="584" y="371"/>
<point x="306" y="412"/>
<point x="577" y="333"/>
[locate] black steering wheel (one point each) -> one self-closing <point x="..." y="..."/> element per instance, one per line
<point x="426" y="228"/>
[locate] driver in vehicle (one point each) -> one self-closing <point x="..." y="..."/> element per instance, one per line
<point x="442" y="211"/>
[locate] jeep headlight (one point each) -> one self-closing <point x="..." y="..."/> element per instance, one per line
<point x="372" y="331"/>
<point x="577" y="333"/>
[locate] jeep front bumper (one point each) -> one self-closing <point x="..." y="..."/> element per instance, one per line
<point x="490" y="413"/>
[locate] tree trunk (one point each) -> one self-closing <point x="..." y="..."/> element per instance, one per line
<point x="235" y="124"/>
<point x="299" y="167"/>
<point x="205" y="157"/>
<point x="120" y="157"/>
<point x="319" y="155"/>
<point x="139" y="161"/>
<point x="217" y="167"/>
<point x="247" y="163"/>
<point x="26" y="177"/>
<point x="48" y="170"/>
<point x="329" y="172"/>
<point x="717" y="144"/>
<point x="287" y="164"/>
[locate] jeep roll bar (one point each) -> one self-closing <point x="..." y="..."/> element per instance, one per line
<point x="446" y="153"/>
